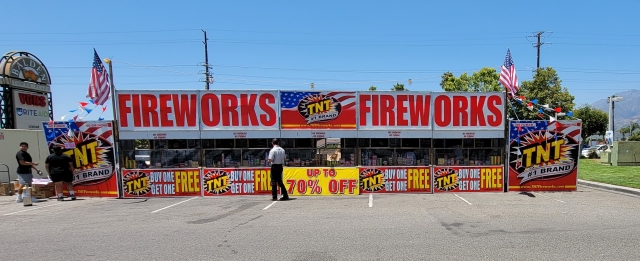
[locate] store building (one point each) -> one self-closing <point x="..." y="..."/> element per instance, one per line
<point x="373" y="129"/>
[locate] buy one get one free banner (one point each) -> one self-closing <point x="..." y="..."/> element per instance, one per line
<point x="468" y="179"/>
<point x="161" y="182"/>
<point x="236" y="181"/>
<point x="381" y="179"/>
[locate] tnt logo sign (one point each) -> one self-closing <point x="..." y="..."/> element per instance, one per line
<point x="217" y="182"/>
<point x="543" y="148"/>
<point x="136" y="183"/>
<point x="372" y="180"/>
<point x="544" y="155"/>
<point x="319" y="108"/>
<point x="446" y="179"/>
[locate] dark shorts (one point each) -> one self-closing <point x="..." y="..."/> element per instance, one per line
<point x="59" y="177"/>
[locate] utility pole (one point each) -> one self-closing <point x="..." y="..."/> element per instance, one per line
<point x="207" y="76"/>
<point x="538" y="47"/>
<point x="538" y="44"/>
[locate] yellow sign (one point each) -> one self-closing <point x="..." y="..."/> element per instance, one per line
<point x="322" y="181"/>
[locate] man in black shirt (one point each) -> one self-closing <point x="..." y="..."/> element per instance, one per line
<point x="25" y="176"/>
<point x="60" y="168"/>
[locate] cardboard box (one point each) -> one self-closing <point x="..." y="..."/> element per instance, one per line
<point x="43" y="194"/>
<point x="42" y="187"/>
<point x="6" y="189"/>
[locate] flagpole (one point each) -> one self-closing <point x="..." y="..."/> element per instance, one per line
<point x="116" y="134"/>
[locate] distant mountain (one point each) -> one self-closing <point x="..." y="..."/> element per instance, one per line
<point x="626" y="111"/>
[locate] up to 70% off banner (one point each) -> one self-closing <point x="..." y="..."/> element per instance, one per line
<point x="321" y="181"/>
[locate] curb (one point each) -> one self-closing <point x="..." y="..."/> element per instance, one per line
<point x="609" y="187"/>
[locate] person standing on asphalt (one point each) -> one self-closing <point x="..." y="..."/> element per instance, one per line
<point x="25" y="175"/>
<point x="60" y="168"/>
<point x="276" y="158"/>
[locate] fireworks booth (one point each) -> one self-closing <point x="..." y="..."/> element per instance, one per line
<point x="216" y="143"/>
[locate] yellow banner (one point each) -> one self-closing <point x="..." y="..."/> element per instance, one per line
<point x="322" y="181"/>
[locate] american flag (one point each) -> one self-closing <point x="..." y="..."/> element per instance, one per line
<point x="58" y="128"/>
<point x="526" y="126"/>
<point x="508" y="76"/>
<point x="99" y="87"/>
<point x="568" y="128"/>
<point x="290" y="100"/>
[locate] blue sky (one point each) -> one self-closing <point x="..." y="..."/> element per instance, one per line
<point x="337" y="45"/>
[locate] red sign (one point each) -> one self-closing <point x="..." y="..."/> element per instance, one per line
<point x="544" y="156"/>
<point x="90" y="146"/>
<point x="257" y="110"/>
<point x="105" y="189"/>
<point x="230" y="110"/>
<point x="33" y="99"/>
<point x="234" y="181"/>
<point x="395" y="179"/>
<point x="158" y="109"/>
<point x="180" y="110"/>
<point x="161" y="182"/>
<point x="318" y="110"/>
<point x="477" y="111"/>
<point x="468" y="179"/>
<point x="384" y="110"/>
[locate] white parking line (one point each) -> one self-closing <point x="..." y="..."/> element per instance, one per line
<point x="265" y="208"/>
<point x="371" y="200"/>
<point x="32" y="209"/>
<point x="174" y="204"/>
<point x="462" y="198"/>
<point x="549" y="197"/>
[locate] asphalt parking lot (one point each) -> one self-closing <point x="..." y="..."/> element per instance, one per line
<point x="590" y="224"/>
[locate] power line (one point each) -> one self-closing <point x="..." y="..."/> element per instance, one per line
<point x="107" y="32"/>
<point x="103" y="43"/>
<point x="121" y="66"/>
<point x="154" y="68"/>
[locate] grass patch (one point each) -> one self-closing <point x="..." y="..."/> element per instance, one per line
<point x="593" y="170"/>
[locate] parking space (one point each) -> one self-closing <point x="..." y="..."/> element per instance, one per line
<point x="584" y="224"/>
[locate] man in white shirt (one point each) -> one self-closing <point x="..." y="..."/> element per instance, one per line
<point x="277" y="158"/>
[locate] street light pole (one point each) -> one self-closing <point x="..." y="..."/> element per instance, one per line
<point x="611" y="100"/>
<point x="613" y="115"/>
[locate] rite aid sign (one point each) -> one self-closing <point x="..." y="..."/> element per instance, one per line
<point x="30" y="109"/>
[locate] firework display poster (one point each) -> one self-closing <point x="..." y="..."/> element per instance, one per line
<point x="468" y="179"/>
<point x="395" y="179"/>
<point x="543" y="155"/>
<point x="90" y="146"/>
<point x="161" y="182"/>
<point x="236" y="181"/>
<point x="318" y="110"/>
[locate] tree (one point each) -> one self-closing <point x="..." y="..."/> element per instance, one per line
<point x="594" y="121"/>
<point x="399" y="87"/>
<point x="546" y="88"/>
<point x="450" y="83"/>
<point x="484" y="80"/>
<point x="635" y="136"/>
<point x="373" y="88"/>
<point x="632" y="128"/>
